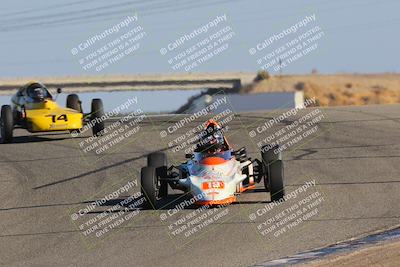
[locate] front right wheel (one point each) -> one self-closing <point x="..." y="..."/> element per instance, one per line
<point x="97" y="112"/>
<point x="273" y="171"/>
<point x="159" y="161"/>
<point x="275" y="180"/>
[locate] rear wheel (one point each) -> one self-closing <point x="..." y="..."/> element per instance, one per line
<point x="6" y="124"/>
<point x="97" y="113"/>
<point x="159" y="161"/>
<point x="74" y="103"/>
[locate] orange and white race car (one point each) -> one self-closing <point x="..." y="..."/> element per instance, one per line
<point x="214" y="174"/>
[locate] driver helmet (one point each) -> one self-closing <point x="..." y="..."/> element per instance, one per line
<point x="214" y="137"/>
<point x="37" y="91"/>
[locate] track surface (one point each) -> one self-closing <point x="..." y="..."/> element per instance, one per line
<point x="354" y="159"/>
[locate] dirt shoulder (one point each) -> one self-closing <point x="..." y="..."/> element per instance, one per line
<point x="385" y="254"/>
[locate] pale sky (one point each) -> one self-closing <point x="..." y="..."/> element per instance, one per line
<point x="36" y="36"/>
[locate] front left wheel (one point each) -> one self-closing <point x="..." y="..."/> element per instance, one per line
<point x="149" y="181"/>
<point x="6" y="124"/>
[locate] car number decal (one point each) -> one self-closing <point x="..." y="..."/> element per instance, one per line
<point x="213" y="185"/>
<point x="62" y="117"/>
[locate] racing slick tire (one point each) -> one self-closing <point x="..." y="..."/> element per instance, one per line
<point x="6" y="124"/>
<point x="273" y="170"/>
<point x="74" y="103"/>
<point x="159" y="161"/>
<point x="97" y="111"/>
<point x="149" y="181"/>
<point x="275" y="180"/>
<point x="268" y="153"/>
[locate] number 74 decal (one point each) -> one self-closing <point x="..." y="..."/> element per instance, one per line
<point x="55" y="118"/>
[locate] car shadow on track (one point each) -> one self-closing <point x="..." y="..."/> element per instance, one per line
<point x="173" y="201"/>
<point x="50" y="205"/>
<point x="36" y="139"/>
<point x="104" y="168"/>
<point x="124" y="203"/>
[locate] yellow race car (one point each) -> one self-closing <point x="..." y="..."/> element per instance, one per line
<point x="34" y="109"/>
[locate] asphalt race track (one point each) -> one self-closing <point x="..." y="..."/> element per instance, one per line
<point x="353" y="157"/>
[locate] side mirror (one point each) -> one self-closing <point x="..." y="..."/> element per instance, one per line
<point x="188" y="156"/>
<point x="59" y="91"/>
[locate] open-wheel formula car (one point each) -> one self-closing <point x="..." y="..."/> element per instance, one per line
<point x="34" y="109"/>
<point x="214" y="174"/>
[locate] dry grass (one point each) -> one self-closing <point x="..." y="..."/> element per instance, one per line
<point x="337" y="90"/>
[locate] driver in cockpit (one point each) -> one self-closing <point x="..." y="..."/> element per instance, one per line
<point x="212" y="139"/>
<point x="38" y="92"/>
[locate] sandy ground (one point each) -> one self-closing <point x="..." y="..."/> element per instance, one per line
<point x="337" y="89"/>
<point x="385" y="254"/>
